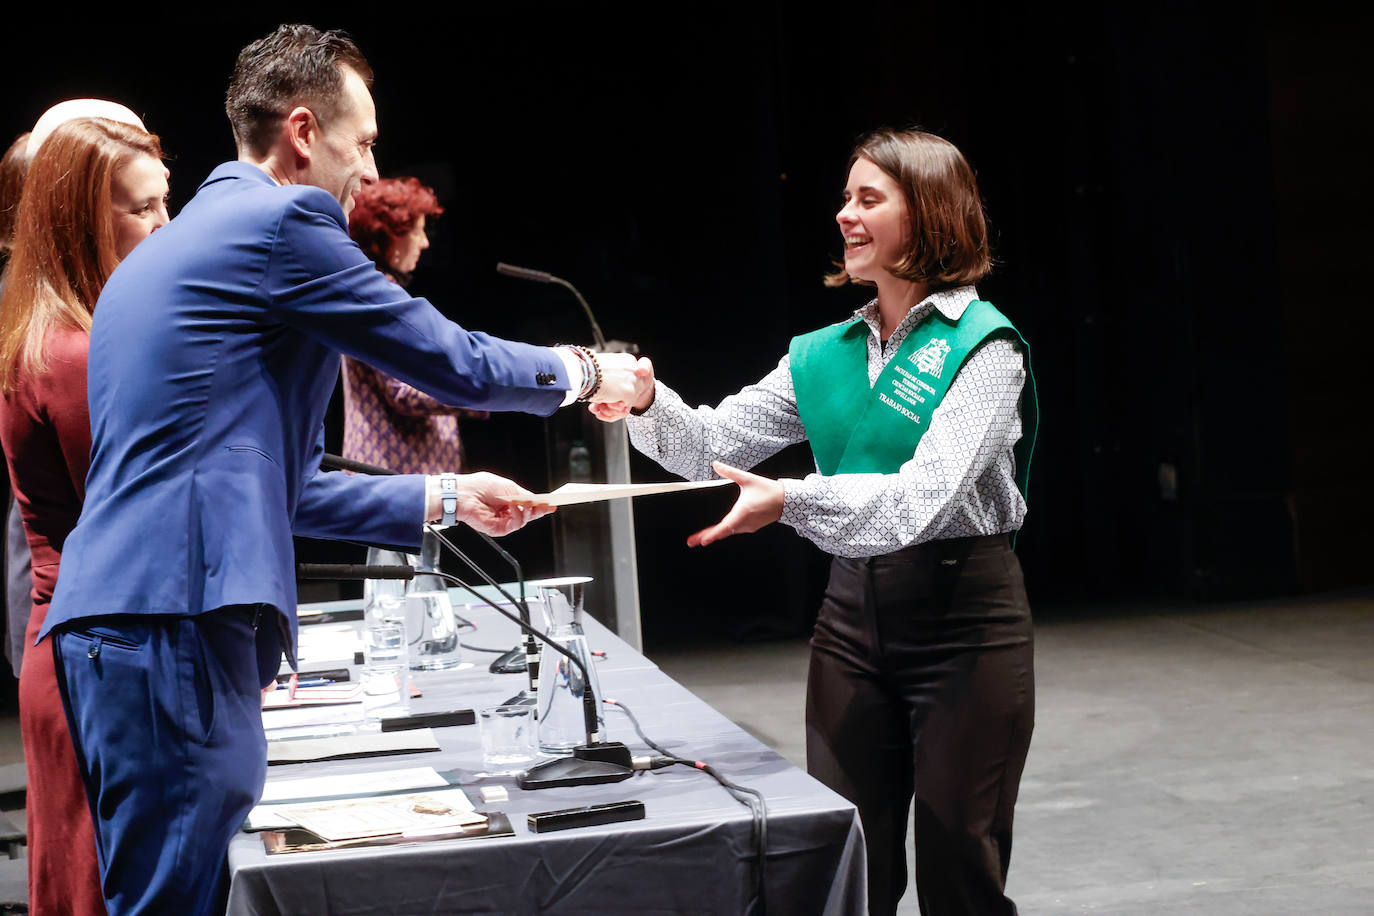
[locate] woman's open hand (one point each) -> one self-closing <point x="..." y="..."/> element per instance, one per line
<point x="759" y="504"/>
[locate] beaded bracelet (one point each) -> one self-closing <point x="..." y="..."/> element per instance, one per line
<point x="590" y="358"/>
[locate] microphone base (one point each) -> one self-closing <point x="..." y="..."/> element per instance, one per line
<point x="591" y="764"/>
<point x="606" y="751"/>
<point x="523" y="698"/>
<point x="512" y="662"/>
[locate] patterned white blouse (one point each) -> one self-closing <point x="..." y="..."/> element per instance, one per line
<point x="960" y="482"/>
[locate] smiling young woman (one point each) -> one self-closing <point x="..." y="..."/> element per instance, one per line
<point x="921" y="679"/>
<point x="912" y="219"/>
<point x="95" y="189"/>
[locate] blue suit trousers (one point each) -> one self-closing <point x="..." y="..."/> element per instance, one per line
<point x="166" y="718"/>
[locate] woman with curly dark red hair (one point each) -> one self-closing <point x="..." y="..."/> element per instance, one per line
<point x="388" y="223"/>
<point x="386" y="421"/>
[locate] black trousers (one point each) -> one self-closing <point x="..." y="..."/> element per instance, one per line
<point x="922" y="682"/>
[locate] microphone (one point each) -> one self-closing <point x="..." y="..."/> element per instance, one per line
<point x="339" y="463"/>
<point x="539" y="276"/>
<point x="348" y="571"/>
<point x="592" y="763"/>
<point x="512" y="661"/>
<point x="524" y="273"/>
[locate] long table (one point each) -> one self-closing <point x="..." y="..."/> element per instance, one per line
<point x="692" y="853"/>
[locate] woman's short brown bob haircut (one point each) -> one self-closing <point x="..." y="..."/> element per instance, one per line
<point x="949" y="235"/>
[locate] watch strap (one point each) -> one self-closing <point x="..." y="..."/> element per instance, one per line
<point x="448" y="499"/>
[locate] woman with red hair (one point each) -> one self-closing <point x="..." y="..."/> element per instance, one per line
<point x="13" y="165"/>
<point x="386" y="421"/>
<point x="94" y="190"/>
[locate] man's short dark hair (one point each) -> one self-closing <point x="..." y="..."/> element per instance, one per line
<point x="296" y="65"/>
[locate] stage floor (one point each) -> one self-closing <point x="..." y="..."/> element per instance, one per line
<point x="1212" y="759"/>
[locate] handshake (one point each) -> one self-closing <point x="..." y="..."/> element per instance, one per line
<point x="497" y="506"/>
<point x="627" y="383"/>
<point x="760" y="498"/>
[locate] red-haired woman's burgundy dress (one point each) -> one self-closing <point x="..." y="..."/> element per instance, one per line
<point x="46" y="431"/>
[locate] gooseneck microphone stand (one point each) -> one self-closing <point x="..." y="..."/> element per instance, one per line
<point x="540" y="276"/>
<point x="612" y="560"/>
<point x="596" y="761"/>
<point x="529" y="695"/>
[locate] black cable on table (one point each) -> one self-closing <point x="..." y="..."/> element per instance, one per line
<point x="752" y="798"/>
<point x="485" y="649"/>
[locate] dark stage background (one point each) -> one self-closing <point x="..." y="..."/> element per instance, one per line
<point x="1178" y="198"/>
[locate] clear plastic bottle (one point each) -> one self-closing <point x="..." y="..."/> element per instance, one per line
<point x="384" y="678"/>
<point x="579" y="462"/>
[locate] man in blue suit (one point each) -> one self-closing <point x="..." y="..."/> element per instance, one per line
<point x="214" y="350"/>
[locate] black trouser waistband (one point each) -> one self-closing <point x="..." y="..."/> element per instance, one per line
<point x="948" y="548"/>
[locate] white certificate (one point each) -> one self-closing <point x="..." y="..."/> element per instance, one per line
<point x="572" y="493"/>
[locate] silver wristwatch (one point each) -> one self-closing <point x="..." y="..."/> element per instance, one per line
<point x="448" y="498"/>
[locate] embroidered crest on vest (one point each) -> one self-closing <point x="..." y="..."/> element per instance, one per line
<point x="875" y="428"/>
<point x="930" y="359"/>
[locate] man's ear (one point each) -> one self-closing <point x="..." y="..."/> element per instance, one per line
<point x="302" y="130"/>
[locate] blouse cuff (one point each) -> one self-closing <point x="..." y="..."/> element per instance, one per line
<point x="665" y="400"/>
<point x="795" y="500"/>
<point x="656" y="409"/>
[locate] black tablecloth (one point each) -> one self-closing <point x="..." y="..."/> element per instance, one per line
<point x="691" y="854"/>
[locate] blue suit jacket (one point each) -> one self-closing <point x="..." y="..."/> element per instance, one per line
<point x="214" y="351"/>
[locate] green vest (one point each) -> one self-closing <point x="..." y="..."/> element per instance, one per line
<point x="856" y="429"/>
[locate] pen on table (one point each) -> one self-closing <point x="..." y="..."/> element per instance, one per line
<point x="308" y="682"/>
<point x="333" y="675"/>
